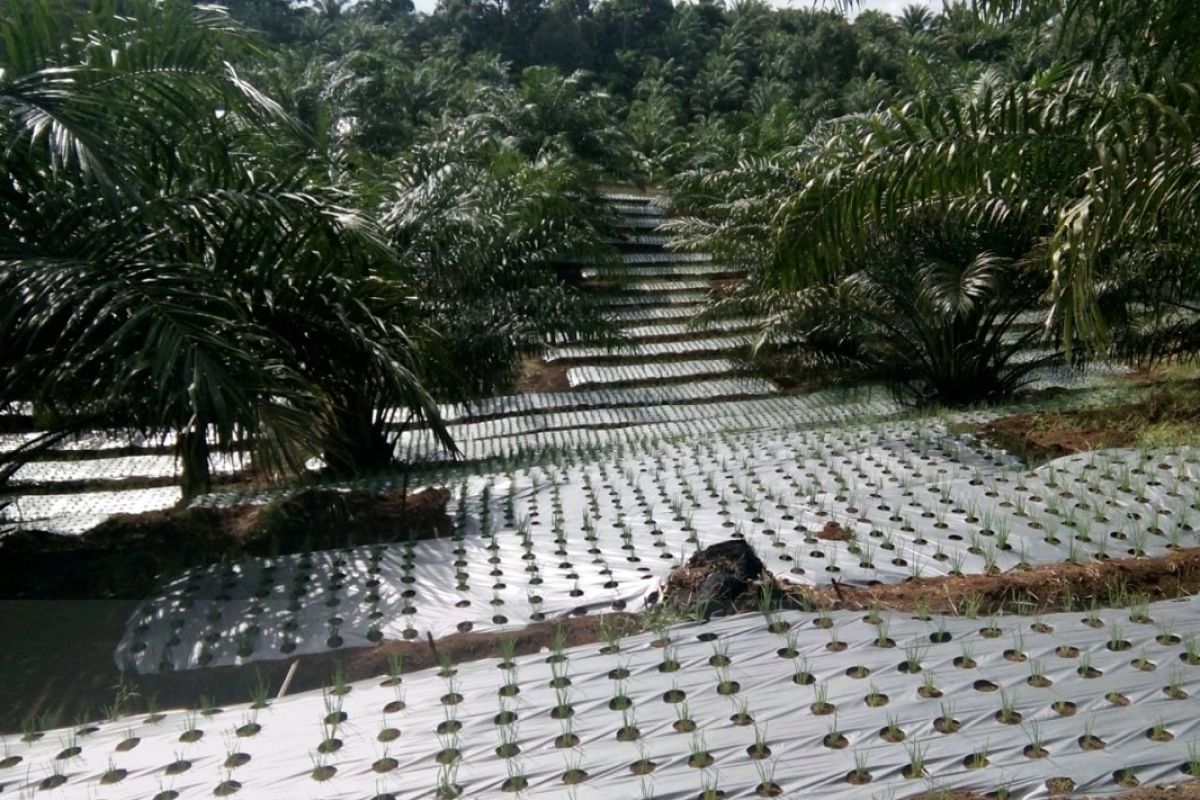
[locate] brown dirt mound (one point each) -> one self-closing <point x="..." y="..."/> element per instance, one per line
<point x="124" y="556"/>
<point x="1172" y="412"/>
<point x="721" y="578"/>
<point x="72" y="676"/>
<point x="538" y="376"/>
<point x="1184" y="791"/>
<point x="1052" y="587"/>
<point x="1042" y="436"/>
<point x="833" y="532"/>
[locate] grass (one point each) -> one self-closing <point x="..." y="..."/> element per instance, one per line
<point x="1166" y="416"/>
<point x="821" y="695"/>
<point x="861" y="765"/>
<point x="833" y="735"/>
<point x="916" y="761"/>
<point x="1192" y="766"/>
<point x="1033" y="733"/>
<point x="698" y="749"/>
<point x="683" y="717"/>
<point x="1174" y="688"/>
<point x="759" y="749"/>
<point x="1008" y="707"/>
<point x="978" y="759"/>
<point x="766" y="778"/>
<point x="912" y="652"/>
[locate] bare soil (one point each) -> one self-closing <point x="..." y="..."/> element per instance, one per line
<point x="127" y="554"/>
<point x="1184" y="791"/>
<point x="1171" y="411"/>
<point x="1045" y="436"/>
<point x="1046" y="588"/>
<point x="833" y="532"/>
<point x="538" y="376"/>
<point x="1051" y="587"/>
<point x="58" y="661"/>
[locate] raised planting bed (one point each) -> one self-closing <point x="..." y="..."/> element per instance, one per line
<point x="599" y="532"/>
<point x="741" y="710"/>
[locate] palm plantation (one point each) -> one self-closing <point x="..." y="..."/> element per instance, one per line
<point x="237" y="287"/>
<point x="771" y="348"/>
<point x="272" y="248"/>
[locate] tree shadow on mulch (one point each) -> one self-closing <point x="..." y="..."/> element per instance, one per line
<point x="128" y="554"/>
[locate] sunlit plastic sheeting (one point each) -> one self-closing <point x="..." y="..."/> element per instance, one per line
<point x="653" y="314"/>
<point x="626" y="196"/>
<point x="96" y="441"/>
<point x="821" y="406"/>
<point x="610" y="398"/>
<point x="785" y="413"/>
<point x="1091" y="374"/>
<point x="638" y="223"/>
<point x="713" y="344"/>
<point x="665" y="257"/>
<point x="42" y="473"/>
<point x="653" y="285"/>
<point x="906" y="499"/>
<point x="685" y="329"/>
<point x="638" y="209"/>
<point x="693" y="298"/>
<point x="511" y="405"/>
<point x="642" y="239"/>
<point x="633" y="373"/>
<point x="656" y="269"/>
<point x="807" y="702"/>
<point x="78" y="511"/>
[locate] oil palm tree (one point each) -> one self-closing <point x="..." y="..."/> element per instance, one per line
<point x="548" y="114"/>
<point x="916" y="19"/>
<point x="934" y="310"/>
<point x="1096" y="160"/>
<point x="485" y="233"/>
<point x="155" y="244"/>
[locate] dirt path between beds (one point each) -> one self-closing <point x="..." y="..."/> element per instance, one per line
<point x="57" y="657"/>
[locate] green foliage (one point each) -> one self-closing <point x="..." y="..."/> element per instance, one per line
<point x="289" y="240"/>
<point x="687" y="84"/>
<point x="480" y="228"/>
<point x="1081" y="151"/>
<point x="935" y="310"/>
<point x="172" y="275"/>
<point x="1094" y="162"/>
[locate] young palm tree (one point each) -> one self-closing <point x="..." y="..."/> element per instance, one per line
<point x="154" y="246"/>
<point x="916" y="19"/>
<point x="1097" y="162"/>
<point x="935" y="310"/>
<point x="483" y="232"/>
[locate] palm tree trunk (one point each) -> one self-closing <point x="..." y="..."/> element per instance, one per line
<point x="360" y="445"/>
<point x="193" y="455"/>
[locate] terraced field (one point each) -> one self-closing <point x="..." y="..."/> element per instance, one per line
<point x="578" y="505"/>
<point x="654" y="295"/>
